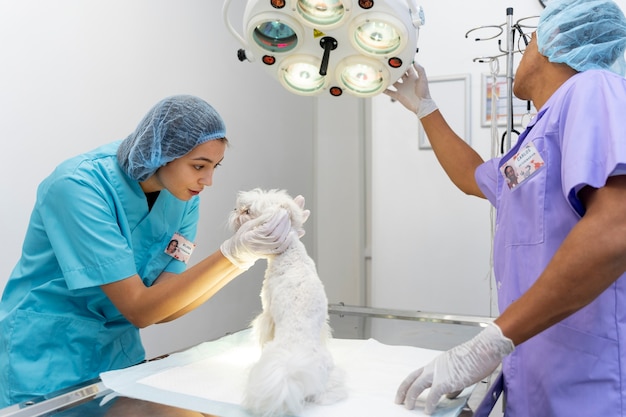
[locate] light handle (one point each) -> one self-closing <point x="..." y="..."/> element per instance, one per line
<point x="248" y="55"/>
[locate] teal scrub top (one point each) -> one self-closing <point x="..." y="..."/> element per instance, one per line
<point x="90" y="226"/>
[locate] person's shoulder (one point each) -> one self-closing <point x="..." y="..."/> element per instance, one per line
<point x="597" y="76"/>
<point x="593" y="85"/>
<point x="103" y="154"/>
<point x="93" y="166"/>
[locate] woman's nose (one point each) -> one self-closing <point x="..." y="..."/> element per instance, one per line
<point x="207" y="180"/>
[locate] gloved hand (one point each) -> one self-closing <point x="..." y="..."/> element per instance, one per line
<point x="456" y="369"/>
<point x="267" y="235"/>
<point x="412" y="91"/>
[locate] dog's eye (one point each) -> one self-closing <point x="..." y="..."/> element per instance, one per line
<point x="245" y="211"/>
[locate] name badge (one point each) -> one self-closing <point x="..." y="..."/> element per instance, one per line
<point x="521" y="166"/>
<point x="180" y="248"/>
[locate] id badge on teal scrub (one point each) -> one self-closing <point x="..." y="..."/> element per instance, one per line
<point x="180" y="248"/>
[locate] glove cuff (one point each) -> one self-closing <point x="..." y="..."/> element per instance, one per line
<point x="427" y="106"/>
<point x="244" y="266"/>
<point x="502" y="344"/>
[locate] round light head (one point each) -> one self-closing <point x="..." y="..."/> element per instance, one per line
<point x="275" y="36"/>
<point x="362" y="76"/>
<point x="378" y="34"/>
<point x="274" y="32"/>
<point x="322" y="13"/>
<point x="300" y="74"/>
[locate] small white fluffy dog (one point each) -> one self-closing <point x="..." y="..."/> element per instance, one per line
<point x="295" y="366"/>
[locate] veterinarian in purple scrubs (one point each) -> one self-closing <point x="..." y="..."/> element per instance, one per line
<point x="560" y="241"/>
<point x="95" y="266"/>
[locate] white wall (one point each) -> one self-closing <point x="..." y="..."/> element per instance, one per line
<point x="341" y="192"/>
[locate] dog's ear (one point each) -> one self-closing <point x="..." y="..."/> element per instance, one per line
<point x="305" y="215"/>
<point x="299" y="201"/>
<point x="303" y="219"/>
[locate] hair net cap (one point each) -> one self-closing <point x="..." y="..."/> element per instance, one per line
<point x="584" y="34"/>
<point x="171" y="129"/>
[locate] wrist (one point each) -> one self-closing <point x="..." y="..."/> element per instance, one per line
<point x="239" y="262"/>
<point x="502" y="344"/>
<point x="426" y="107"/>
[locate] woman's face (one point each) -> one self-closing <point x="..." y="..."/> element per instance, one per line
<point x="187" y="176"/>
<point x="509" y="172"/>
<point x="172" y="246"/>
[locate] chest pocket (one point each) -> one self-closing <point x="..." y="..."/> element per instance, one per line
<point x="521" y="210"/>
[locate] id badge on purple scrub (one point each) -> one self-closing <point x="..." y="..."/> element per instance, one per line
<point x="521" y="166"/>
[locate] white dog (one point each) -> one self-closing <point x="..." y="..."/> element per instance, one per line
<point x="295" y="366"/>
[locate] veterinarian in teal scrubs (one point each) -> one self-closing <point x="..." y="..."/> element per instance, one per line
<point x="94" y="267"/>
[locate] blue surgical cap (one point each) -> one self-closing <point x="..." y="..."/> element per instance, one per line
<point x="584" y="34"/>
<point x="171" y="129"/>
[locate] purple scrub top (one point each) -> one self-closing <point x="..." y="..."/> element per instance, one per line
<point x="578" y="366"/>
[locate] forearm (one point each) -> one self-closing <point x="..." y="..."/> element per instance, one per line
<point x="218" y="285"/>
<point x="456" y="157"/>
<point x="590" y="259"/>
<point x="171" y="296"/>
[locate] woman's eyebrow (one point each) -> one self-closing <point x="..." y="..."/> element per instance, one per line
<point x="204" y="158"/>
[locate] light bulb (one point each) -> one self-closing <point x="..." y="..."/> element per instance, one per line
<point x="275" y="36"/>
<point x="363" y="77"/>
<point x="377" y="37"/>
<point x="321" y="12"/>
<point x="302" y="77"/>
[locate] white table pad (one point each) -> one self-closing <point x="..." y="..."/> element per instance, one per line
<point x="210" y="378"/>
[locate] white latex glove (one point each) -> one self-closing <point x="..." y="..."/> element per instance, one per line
<point x="456" y="369"/>
<point x="259" y="238"/>
<point x="412" y="91"/>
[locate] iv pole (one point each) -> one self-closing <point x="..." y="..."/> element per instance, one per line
<point x="507" y="52"/>
<point x="493" y="61"/>
<point x="510" y="44"/>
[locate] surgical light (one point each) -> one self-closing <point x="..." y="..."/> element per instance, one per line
<point x="318" y="47"/>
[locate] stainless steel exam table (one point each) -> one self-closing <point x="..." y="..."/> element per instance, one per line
<point x="411" y="328"/>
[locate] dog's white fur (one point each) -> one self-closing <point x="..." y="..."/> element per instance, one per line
<point x="295" y="366"/>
